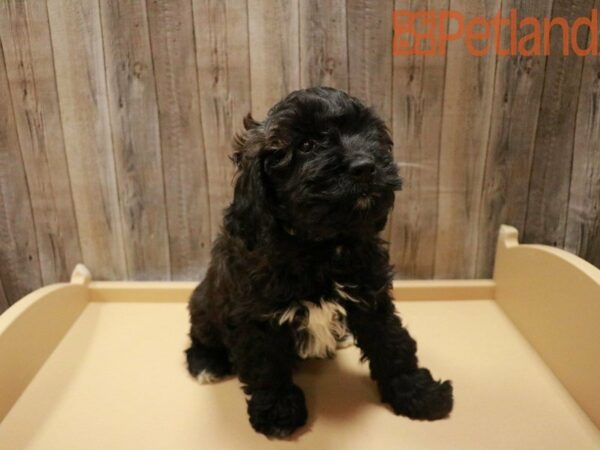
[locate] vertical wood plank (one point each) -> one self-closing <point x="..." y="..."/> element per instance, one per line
<point x="323" y="44"/>
<point x="418" y="92"/>
<point x="516" y="103"/>
<point x="135" y="136"/>
<point x="79" y="62"/>
<point x="183" y="156"/>
<point x="553" y="155"/>
<point x="583" y="220"/>
<point x="19" y="262"/>
<point x="369" y="25"/>
<point x="222" y="56"/>
<point x="25" y="33"/>
<point x="274" y="52"/>
<point x="465" y="129"/>
<point x="3" y="301"/>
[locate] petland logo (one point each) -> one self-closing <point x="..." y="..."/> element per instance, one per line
<point x="427" y="33"/>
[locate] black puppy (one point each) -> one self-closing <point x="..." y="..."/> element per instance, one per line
<point x="299" y="262"/>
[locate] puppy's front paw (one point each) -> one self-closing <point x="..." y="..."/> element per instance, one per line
<point x="418" y="396"/>
<point x="277" y="413"/>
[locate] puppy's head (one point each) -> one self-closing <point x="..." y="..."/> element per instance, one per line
<point x="320" y="165"/>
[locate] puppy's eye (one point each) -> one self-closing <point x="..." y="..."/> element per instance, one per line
<point x="307" y="146"/>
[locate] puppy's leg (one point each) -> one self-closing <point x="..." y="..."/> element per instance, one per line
<point x="207" y="363"/>
<point x="264" y="357"/>
<point x="391" y="351"/>
<point x="207" y="357"/>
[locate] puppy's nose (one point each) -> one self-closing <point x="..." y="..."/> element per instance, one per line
<point x="362" y="169"/>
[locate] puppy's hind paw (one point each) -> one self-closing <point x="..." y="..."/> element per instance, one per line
<point x="207" y="365"/>
<point x="418" y="396"/>
<point x="277" y="413"/>
<point x="206" y="377"/>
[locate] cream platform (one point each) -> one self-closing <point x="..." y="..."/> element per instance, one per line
<point x="99" y="365"/>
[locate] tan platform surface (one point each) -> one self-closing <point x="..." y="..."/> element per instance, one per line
<point x="117" y="381"/>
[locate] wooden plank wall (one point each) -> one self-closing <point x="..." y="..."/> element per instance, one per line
<point x="583" y="215"/>
<point x="116" y="120"/>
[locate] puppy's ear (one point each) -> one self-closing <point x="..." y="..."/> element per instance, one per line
<point x="248" y="214"/>
<point x="249" y="122"/>
<point x="242" y="141"/>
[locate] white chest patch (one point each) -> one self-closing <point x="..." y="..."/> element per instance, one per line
<point x="319" y="327"/>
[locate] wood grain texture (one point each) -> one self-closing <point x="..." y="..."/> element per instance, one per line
<point x="25" y="33"/>
<point x="274" y="52"/>
<point x="79" y="63"/>
<point x="369" y="30"/>
<point x="182" y="143"/>
<point x="515" y="107"/>
<point x="369" y="25"/>
<point x="135" y="136"/>
<point x="323" y="44"/>
<point x="19" y="261"/>
<point x="583" y="220"/>
<point x="418" y="92"/>
<point x="222" y="57"/>
<point x="553" y="158"/>
<point x="465" y="129"/>
<point x="116" y="122"/>
<point x="3" y="301"/>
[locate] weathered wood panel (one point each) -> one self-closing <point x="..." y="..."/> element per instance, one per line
<point x="182" y="143"/>
<point x="25" y="34"/>
<point x="223" y="59"/>
<point x="517" y="94"/>
<point x="369" y="25"/>
<point x="323" y="44"/>
<point x="79" y="63"/>
<point x="465" y="130"/>
<point x="19" y="262"/>
<point x="274" y="52"/>
<point x="551" y="171"/>
<point x="369" y="29"/>
<point x="583" y="220"/>
<point x="116" y="121"/>
<point x="135" y="138"/>
<point x="3" y="300"/>
<point x="418" y="93"/>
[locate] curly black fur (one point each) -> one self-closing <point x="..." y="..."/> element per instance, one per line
<point x="315" y="184"/>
